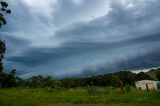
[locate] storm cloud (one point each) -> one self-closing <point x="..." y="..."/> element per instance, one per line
<point x="72" y="38"/>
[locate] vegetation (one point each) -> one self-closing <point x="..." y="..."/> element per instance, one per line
<point x="102" y="89"/>
<point x="154" y="73"/>
<point x="117" y="80"/>
<point x="3" y="9"/>
<point x="97" y="95"/>
<point x="158" y="75"/>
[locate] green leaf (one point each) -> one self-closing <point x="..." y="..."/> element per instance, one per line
<point x="4" y="4"/>
<point x="8" y="11"/>
<point x="3" y="9"/>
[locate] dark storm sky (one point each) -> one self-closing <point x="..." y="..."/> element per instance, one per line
<point x="69" y="38"/>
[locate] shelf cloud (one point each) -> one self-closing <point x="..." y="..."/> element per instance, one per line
<point x="73" y="38"/>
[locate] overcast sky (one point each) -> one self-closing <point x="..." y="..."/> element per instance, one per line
<point x="70" y="38"/>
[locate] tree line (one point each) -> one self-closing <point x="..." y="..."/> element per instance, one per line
<point x="117" y="79"/>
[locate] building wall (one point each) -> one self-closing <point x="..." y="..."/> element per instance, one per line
<point x="141" y="85"/>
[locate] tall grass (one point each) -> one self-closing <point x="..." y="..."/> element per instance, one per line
<point x="89" y="95"/>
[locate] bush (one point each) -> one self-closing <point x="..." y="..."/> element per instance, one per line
<point x="96" y="91"/>
<point x="128" y="88"/>
<point x="92" y="91"/>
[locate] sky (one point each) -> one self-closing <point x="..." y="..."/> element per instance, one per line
<point x="77" y="38"/>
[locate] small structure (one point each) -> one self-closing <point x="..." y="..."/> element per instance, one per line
<point x="146" y="85"/>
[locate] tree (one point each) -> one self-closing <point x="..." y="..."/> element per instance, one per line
<point x="3" y="9"/>
<point x="127" y="77"/>
<point x="115" y="81"/>
<point x="158" y="75"/>
<point x="49" y="82"/>
<point x="2" y="51"/>
<point x="11" y="79"/>
<point x="34" y="81"/>
<point x="143" y="76"/>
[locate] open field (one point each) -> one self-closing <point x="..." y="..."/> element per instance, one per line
<point x="73" y="97"/>
<point x="124" y="104"/>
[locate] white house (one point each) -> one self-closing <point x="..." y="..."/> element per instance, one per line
<point x="144" y="84"/>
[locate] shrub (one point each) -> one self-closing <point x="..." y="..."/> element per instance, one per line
<point x="128" y="88"/>
<point x="96" y="91"/>
<point x="92" y="91"/>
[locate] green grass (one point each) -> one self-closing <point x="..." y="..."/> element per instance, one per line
<point x="73" y="97"/>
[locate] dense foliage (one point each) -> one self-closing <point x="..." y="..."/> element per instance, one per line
<point x="3" y="9"/>
<point x="116" y="80"/>
<point x="158" y="74"/>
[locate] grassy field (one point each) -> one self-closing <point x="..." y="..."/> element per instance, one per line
<point x="77" y="97"/>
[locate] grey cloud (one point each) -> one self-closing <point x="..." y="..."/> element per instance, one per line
<point x="82" y="53"/>
<point x="70" y="13"/>
<point x="145" y="61"/>
<point x="119" y="24"/>
<point x="124" y="39"/>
